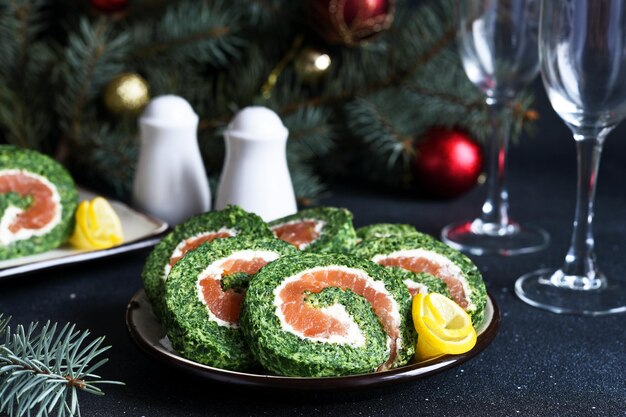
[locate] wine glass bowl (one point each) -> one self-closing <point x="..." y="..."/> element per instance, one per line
<point x="498" y="45"/>
<point x="583" y="65"/>
<point x="497" y="42"/>
<point x="584" y="74"/>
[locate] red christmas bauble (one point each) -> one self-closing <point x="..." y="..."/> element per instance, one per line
<point x="448" y="162"/>
<point x="351" y="22"/>
<point x="109" y="5"/>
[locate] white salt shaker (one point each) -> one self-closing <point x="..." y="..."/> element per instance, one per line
<point x="170" y="181"/>
<point x="255" y="174"/>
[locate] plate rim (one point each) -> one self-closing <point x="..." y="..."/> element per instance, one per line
<point x="402" y="374"/>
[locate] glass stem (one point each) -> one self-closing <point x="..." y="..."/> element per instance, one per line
<point x="579" y="270"/>
<point x="494" y="219"/>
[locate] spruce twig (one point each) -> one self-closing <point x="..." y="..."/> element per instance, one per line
<point x="22" y="71"/>
<point x="395" y="79"/>
<point x="42" y="369"/>
<point x="159" y="47"/>
<point x="202" y="32"/>
<point x="91" y="56"/>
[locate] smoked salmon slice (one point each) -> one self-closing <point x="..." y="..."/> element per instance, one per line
<point x="318" y="229"/>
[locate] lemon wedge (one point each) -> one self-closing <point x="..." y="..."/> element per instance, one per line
<point x="442" y="326"/>
<point x="97" y="226"/>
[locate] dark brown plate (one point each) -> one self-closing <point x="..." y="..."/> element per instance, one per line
<point x="146" y="331"/>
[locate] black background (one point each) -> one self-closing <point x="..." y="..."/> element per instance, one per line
<point x="540" y="364"/>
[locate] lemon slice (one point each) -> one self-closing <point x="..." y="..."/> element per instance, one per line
<point x="97" y="226"/>
<point x="448" y="317"/>
<point x="442" y="326"/>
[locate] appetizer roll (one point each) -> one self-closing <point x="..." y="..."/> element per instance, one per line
<point x="424" y="264"/>
<point x="37" y="203"/>
<point x="383" y="230"/>
<point x="317" y="315"/>
<point x="203" y="296"/>
<point x="320" y="229"/>
<point x="232" y="221"/>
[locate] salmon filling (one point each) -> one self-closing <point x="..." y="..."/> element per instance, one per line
<point x="299" y="233"/>
<point x="330" y="324"/>
<point x="415" y="287"/>
<point x="192" y="243"/>
<point x="224" y="306"/>
<point x="437" y="265"/>
<point x="43" y="214"/>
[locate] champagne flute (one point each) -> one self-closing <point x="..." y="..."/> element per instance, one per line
<point x="498" y="47"/>
<point x="582" y="46"/>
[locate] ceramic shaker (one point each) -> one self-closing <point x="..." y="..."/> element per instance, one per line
<point x="255" y="174"/>
<point x="170" y="181"/>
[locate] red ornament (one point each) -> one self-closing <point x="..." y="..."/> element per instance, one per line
<point x="448" y="162"/>
<point x="109" y="5"/>
<point x="351" y="22"/>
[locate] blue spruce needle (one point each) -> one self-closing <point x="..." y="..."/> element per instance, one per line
<point x="42" y="369"/>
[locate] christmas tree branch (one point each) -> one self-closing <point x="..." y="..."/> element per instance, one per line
<point x="379" y="132"/>
<point x="478" y="104"/>
<point x="20" y="21"/>
<point x="311" y="134"/>
<point x="381" y="95"/>
<point x="396" y="79"/>
<point x="349" y="94"/>
<point x="92" y="56"/>
<point x="22" y="13"/>
<point x="267" y="6"/>
<point x="103" y="146"/>
<point x="90" y="66"/>
<point x="440" y="44"/>
<point x="160" y="47"/>
<point x="43" y="369"/>
<point x="21" y="71"/>
<point x="201" y="31"/>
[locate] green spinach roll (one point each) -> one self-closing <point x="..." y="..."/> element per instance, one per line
<point x="428" y="265"/>
<point x="203" y="296"/>
<point x="383" y="230"/>
<point x="232" y="221"/>
<point x="37" y="203"/>
<point x="315" y="315"/>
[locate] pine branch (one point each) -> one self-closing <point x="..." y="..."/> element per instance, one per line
<point x="160" y="47"/>
<point x="93" y="56"/>
<point x="22" y="73"/>
<point x="191" y="30"/>
<point x="42" y="370"/>
<point x="306" y="184"/>
<point x="103" y="146"/>
<point x="394" y="79"/>
<point x="377" y="130"/>
<point x="310" y="132"/>
<point x="19" y="26"/>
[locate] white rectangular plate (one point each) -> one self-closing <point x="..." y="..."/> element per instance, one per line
<point x="140" y="231"/>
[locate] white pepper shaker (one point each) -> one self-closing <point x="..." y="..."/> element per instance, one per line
<point x="255" y="174"/>
<point x="170" y="181"/>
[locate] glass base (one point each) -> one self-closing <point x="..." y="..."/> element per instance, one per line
<point x="566" y="294"/>
<point x="479" y="238"/>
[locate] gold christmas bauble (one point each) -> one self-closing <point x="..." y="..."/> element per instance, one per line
<point x="126" y="93"/>
<point x="311" y="64"/>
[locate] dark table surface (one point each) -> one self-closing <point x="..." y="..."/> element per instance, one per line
<point x="540" y="364"/>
